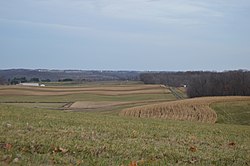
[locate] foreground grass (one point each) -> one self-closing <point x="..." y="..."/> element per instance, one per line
<point x="39" y="136"/>
<point x="237" y="112"/>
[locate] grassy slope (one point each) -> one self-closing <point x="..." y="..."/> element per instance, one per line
<point x="233" y="112"/>
<point x="103" y="139"/>
<point x="196" y="109"/>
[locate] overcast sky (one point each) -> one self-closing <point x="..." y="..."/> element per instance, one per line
<point x="125" y="34"/>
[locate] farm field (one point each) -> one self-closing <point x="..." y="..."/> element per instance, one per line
<point x="233" y="112"/>
<point x="197" y="109"/>
<point x="105" y="92"/>
<point x="83" y="125"/>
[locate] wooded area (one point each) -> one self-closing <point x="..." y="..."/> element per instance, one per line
<point x="229" y="83"/>
<point x="76" y="75"/>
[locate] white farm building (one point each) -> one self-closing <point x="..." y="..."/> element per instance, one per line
<point x="31" y="84"/>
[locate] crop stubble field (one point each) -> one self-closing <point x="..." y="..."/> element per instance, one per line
<point x="85" y="126"/>
<point x="197" y="109"/>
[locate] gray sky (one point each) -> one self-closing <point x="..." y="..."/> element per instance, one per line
<point x="125" y="34"/>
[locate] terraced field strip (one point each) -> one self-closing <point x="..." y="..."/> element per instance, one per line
<point x="112" y="90"/>
<point x="85" y="97"/>
<point x="44" y="105"/>
<point x="92" y="84"/>
<point x="196" y="109"/>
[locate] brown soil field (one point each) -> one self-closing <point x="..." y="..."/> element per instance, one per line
<point x="196" y="109"/>
<point x="103" y="104"/>
<point x="94" y="105"/>
<point x="109" y="90"/>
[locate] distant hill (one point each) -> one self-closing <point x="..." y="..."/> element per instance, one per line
<point x="76" y="75"/>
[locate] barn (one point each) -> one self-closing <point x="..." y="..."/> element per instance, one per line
<point x="29" y="84"/>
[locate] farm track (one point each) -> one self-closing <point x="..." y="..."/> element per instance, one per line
<point x="176" y="93"/>
<point x="197" y="109"/>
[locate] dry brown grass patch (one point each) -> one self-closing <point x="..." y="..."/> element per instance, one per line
<point x="103" y="104"/>
<point x="94" y="105"/>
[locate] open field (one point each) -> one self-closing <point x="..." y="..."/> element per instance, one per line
<point x="91" y="84"/>
<point x="112" y="90"/>
<point x="86" y="129"/>
<point x="109" y="92"/>
<point x="38" y="136"/>
<point x="233" y="112"/>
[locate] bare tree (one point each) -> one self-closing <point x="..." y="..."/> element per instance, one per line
<point x="204" y="83"/>
<point x="2" y="80"/>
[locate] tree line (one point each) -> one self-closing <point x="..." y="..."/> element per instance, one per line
<point x="18" y="80"/>
<point x="199" y="83"/>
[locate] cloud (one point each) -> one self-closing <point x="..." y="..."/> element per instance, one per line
<point x="174" y="12"/>
<point x="148" y="9"/>
<point x="165" y="11"/>
<point x="153" y="30"/>
<point x="90" y="32"/>
<point x="45" y="25"/>
<point x="146" y="21"/>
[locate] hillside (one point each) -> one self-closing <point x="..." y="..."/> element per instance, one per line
<point x="196" y="109"/>
<point x="57" y="125"/>
<point x="79" y="75"/>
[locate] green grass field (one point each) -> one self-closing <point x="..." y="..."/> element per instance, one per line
<point x="233" y="112"/>
<point x="41" y="134"/>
